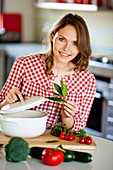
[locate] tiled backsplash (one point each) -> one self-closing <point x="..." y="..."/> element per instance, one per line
<point x="100" y="26"/>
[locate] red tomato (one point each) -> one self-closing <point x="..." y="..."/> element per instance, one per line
<point x="51" y="157"/>
<point x="74" y="136"/>
<point x="71" y="138"/>
<point x="82" y="140"/>
<point x="66" y="137"/>
<point x="88" y="140"/>
<point x="62" y="136"/>
<point x="63" y="133"/>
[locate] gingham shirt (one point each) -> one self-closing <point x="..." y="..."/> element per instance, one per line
<point x="28" y="74"/>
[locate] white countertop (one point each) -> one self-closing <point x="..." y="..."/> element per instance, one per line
<point x="102" y="160"/>
<point x="16" y="50"/>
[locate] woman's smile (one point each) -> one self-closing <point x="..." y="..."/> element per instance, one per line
<point x="64" y="55"/>
<point x="65" y="46"/>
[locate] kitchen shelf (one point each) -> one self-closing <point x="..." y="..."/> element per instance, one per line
<point x="66" y="6"/>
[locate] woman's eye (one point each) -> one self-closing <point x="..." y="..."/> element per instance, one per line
<point x="61" y="39"/>
<point x="75" y="43"/>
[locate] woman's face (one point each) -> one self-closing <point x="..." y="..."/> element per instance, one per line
<point x="65" y="46"/>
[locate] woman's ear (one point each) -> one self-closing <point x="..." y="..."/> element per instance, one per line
<point x="52" y="36"/>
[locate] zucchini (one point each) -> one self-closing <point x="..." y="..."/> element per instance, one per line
<point x="82" y="156"/>
<point x="36" y="152"/>
<point x="75" y="155"/>
<point x="68" y="156"/>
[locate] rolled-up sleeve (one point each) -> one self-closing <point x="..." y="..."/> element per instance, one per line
<point x="14" y="78"/>
<point x="83" y="111"/>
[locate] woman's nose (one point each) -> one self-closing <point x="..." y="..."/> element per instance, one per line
<point x="67" y="47"/>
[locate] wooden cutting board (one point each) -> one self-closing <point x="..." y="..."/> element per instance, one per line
<point x="41" y="141"/>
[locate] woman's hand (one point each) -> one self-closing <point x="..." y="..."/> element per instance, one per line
<point x="67" y="112"/>
<point x="12" y="96"/>
<point x="69" y="109"/>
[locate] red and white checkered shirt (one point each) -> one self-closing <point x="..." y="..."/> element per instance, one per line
<point x="28" y="74"/>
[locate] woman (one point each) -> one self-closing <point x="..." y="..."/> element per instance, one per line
<point x="67" y="60"/>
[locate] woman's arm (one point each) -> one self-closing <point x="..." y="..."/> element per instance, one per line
<point x="75" y="116"/>
<point x="14" y="81"/>
<point x="67" y="114"/>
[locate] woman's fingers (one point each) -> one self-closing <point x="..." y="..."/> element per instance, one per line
<point x="10" y="98"/>
<point x="13" y="95"/>
<point x="70" y="107"/>
<point x="66" y="114"/>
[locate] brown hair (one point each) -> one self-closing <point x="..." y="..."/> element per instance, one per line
<point x="81" y="61"/>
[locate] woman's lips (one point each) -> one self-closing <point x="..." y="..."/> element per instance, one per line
<point x="65" y="55"/>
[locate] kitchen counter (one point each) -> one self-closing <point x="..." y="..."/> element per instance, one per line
<point x="101" y="69"/>
<point x="102" y="159"/>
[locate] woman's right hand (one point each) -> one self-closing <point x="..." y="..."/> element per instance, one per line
<point x="11" y="97"/>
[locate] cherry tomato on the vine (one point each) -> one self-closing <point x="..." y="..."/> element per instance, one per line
<point x="71" y="138"/>
<point x="63" y="133"/>
<point x="74" y="136"/>
<point x="88" y="140"/>
<point x="66" y="137"/>
<point x="82" y="140"/>
<point x="62" y="136"/>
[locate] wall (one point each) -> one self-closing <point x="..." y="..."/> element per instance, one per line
<point x="37" y="22"/>
<point x="100" y="26"/>
<point x="26" y="8"/>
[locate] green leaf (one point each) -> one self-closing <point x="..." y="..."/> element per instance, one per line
<point x="62" y="84"/>
<point x="55" y="93"/>
<point x="56" y="99"/>
<point x="64" y="90"/>
<point x="58" y="89"/>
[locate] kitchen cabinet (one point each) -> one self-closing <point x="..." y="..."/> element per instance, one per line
<point x="109" y="117"/>
<point x="79" y="5"/>
<point x="67" y="6"/>
<point x="106" y="71"/>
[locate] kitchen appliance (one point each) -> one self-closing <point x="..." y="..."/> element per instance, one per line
<point x="102" y="68"/>
<point x="17" y="121"/>
<point x="95" y="116"/>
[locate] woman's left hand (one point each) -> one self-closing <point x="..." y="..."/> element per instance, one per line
<point x="69" y="109"/>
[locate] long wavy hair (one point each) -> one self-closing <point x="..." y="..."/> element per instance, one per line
<point x="80" y="61"/>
